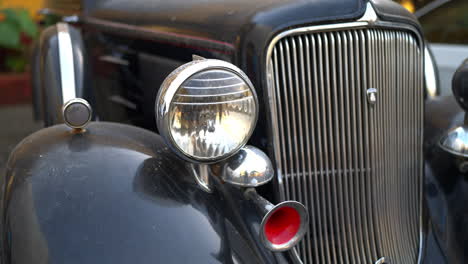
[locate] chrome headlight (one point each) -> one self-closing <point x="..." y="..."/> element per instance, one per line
<point x="206" y="110"/>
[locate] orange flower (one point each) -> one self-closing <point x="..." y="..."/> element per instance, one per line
<point x="2" y="17"/>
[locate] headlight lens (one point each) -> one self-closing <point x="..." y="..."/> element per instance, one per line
<point x="207" y="110"/>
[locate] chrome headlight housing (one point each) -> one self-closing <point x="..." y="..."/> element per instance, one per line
<point x="206" y="110"/>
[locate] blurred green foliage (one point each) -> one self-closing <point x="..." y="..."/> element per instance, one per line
<point x="17" y="31"/>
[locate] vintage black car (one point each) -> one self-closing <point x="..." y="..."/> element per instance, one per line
<point x="224" y="131"/>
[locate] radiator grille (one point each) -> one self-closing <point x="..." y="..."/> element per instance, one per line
<point x="356" y="166"/>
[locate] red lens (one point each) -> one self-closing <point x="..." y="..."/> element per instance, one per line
<point x="282" y="225"/>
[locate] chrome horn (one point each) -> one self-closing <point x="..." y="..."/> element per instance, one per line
<point x="283" y="225"/>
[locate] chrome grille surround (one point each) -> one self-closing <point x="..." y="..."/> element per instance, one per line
<point x="357" y="167"/>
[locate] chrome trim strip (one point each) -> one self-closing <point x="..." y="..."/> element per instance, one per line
<point x="430" y="75"/>
<point x="369" y="20"/>
<point x="67" y="67"/>
<point x="369" y="16"/>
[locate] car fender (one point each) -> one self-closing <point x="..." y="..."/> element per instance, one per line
<point x="116" y="194"/>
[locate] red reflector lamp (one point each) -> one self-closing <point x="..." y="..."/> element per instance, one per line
<point x="284" y="226"/>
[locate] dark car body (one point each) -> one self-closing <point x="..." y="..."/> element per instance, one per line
<point x="117" y="194"/>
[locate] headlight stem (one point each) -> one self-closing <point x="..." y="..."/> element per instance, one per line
<point x="201" y="172"/>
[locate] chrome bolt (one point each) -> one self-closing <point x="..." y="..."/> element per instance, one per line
<point x="372" y="96"/>
<point x="382" y="261"/>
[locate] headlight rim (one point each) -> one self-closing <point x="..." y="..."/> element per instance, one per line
<point x="172" y="84"/>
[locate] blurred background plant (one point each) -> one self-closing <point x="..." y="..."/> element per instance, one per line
<point x="18" y="31"/>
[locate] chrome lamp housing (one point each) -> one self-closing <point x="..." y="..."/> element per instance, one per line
<point x="206" y="110"/>
<point x="249" y="167"/>
<point x="455" y="141"/>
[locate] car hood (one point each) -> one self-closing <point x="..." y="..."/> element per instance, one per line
<point x="223" y="22"/>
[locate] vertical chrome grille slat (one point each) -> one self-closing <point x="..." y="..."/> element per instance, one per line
<point x="340" y="144"/>
<point x="391" y="180"/>
<point x="375" y="43"/>
<point x="409" y="164"/>
<point x="347" y="145"/>
<point x="406" y="163"/>
<point x="319" y="154"/>
<point x="357" y="167"/>
<point x="369" y="114"/>
<point x="291" y="122"/>
<point x="385" y="95"/>
<point x="301" y="97"/>
<point x="328" y="147"/>
<point x="358" y="248"/>
<point x="306" y="95"/>
<point x="401" y="137"/>
<point x="334" y="154"/>
<point x="380" y="120"/>
<point x="368" y="148"/>
<point x="297" y="130"/>
<point x="398" y="149"/>
<point x="364" y="228"/>
<point x="399" y="144"/>
<point x="413" y="142"/>
<point x="410" y="215"/>
<point x="323" y="153"/>
<point x="284" y="112"/>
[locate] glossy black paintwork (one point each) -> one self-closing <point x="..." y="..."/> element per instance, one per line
<point x="154" y="42"/>
<point x="445" y="187"/>
<point x="227" y="25"/>
<point x="234" y="31"/>
<point x="388" y="10"/>
<point x="154" y="38"/>
<point x="221" y="22"/>
<point x="116" y="194"/>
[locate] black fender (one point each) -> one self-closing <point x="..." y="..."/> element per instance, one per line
<point x="446" y="188"/>
<point x="117" y="194"/>
<point x="46" y="85"/>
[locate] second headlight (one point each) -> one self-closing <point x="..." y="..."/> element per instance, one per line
<point x="206" y="110"/>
